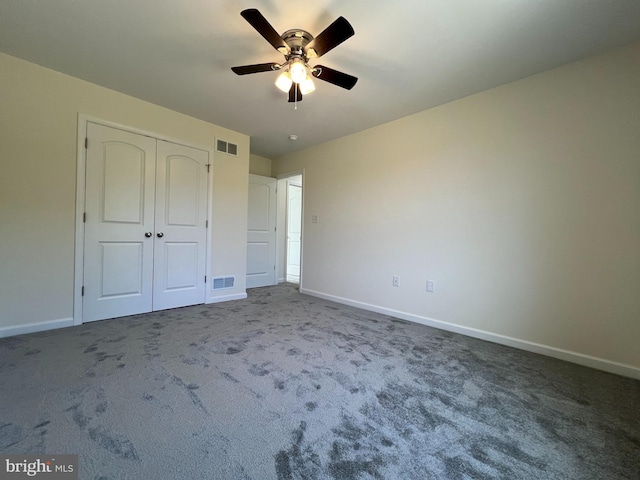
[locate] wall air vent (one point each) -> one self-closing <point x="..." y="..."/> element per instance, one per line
<point x="223" y="282"/>
<point x="227" y="147"/>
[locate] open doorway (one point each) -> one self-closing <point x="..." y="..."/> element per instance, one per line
<point x="290" y="228"/>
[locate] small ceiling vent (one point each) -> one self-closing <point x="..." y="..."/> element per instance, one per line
<point x="227" y="147"/>
<point x="223" y="282"/>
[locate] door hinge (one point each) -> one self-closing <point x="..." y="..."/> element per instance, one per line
<point x="205" y="279"/>
<point x="206" y="224"/>
<point x="82" y="291"/>
<point x="208" y="166"/>
<point x="86" y="142"/>
<point x="84" y="217"/>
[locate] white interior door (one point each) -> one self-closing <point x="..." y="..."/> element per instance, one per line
<point x="294" y="231"/>
<point x="120" y="197"/>
<point x="145" y="228"/>
<point x="180" y="226"/>
<point x="261" y="232"/>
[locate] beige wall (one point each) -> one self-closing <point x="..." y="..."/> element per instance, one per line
<point x="259" y="165"/>
<point x="521" y="203"/>
<point x="38" y="133"/>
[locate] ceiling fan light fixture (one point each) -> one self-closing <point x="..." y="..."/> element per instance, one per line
<point x="298" y="71"/>
<point x="298" y="46"/>
<point x="307" y="86"/>
<point x="284" y="82"/>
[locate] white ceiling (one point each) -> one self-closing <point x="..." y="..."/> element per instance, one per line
<point x="409" y="55"/>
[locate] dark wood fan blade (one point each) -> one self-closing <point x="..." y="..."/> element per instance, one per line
<point x="294" y="93"/>
<point x="330" y="75"/>
<point x="257" y="68"/>
<point x="264" y="28"/>
<point x="331" y="37"/>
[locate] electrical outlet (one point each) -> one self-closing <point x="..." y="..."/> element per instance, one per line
<point x="396" y="280"/>
<point x="430" y="286"/>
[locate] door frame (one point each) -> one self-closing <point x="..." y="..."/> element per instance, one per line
<point x="81" y="155"/>
<point x="281" y="248"/>
<point x="287" y="249"/>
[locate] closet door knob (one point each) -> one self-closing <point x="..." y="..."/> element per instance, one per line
<point x="148" y="234"/>
<point x="160" y="235"/>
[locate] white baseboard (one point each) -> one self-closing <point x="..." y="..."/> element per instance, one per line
<point x="227" y="298"/>
<point x="13" y="330"/>
<point x="569" y="356"/>
<point x="35" y="327"/>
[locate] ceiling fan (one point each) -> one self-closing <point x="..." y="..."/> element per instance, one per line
<point x="298" y="47"/>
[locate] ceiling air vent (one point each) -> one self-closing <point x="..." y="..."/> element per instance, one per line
<point x="223" y="282"/>
<point x="227" y="147"/>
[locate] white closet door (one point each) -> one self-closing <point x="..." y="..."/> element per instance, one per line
<point x="120" y="191"/>
<point x="180" y="231"/>
<point x="261" y="232"/>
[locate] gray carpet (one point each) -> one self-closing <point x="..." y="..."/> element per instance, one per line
<point x="287" y="386"/>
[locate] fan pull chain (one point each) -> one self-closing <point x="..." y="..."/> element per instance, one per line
<point x="295" y="103"/>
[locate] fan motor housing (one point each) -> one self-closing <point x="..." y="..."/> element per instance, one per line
<point x="297" y="39"/>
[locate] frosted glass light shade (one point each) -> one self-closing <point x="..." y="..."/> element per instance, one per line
<point x="284" y="82"/>
<point x="298" y="72"/>
<point x="307" y="86"/>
